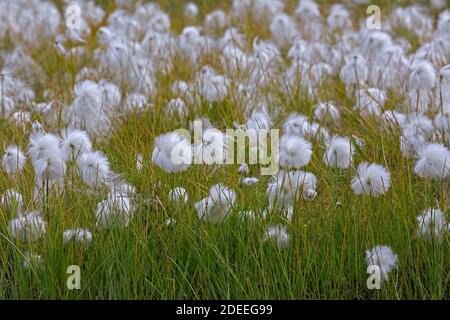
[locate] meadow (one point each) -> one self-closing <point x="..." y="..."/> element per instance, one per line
<point x="131" y="72"/>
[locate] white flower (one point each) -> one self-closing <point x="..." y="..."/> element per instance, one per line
<point x="283" y="29"/>
<point x="212" y="87"/>
<point x="176" y="107"/>
<point x="216" y="207"/>
<point x="285" y="188"/>
<point x="74" y="143"/>
<point x="421" y="81"/>
<point x="28" y="228"/>
<point x="32" y="260"/>
<point x="250" y="180"/>
<point x="46" y="157"/>
<point x="170" y="222"/>
<point x="191" y="11"/>
<point x="43" y="145"/>
<point x="394" y="118"/>
<point x="371" y="179"/>
<point x="116" y="209"/>
<point x="288" y="213"/>
<point x="87" y="110"/>
<point x="432" y="224"/>
<point x="370" y="101"/>
<point x="94" y="168"/>
<point x="423" y="76"/>
<point x="298" y="125"/>
<point x="172" y="152"/>
<point x="417" y="125"/>
<point x="178" y="195"/>
<point x="243" y="169"/>
<point x="434" y="161"/>
<point x="139" y="162"/>
<point x="354" y="71"/>
<point x="135" y="101"/>
<point x="383" y="257"/>
<point x="212" y="148"/>
<point x="13" y="160"/>
<point x="339" y="18"/>
<point x="258" y="120"/>
<point x="295" y="152"/>
<point x="81" y="236"/>
<point x="12" y="199"/>
<point x="215" y="21"/>
<point x="339" y="153"/>
<point x="278" y="235"/>
<point x="326" y="111"/>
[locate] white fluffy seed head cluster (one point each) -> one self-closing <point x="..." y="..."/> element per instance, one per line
<point x="217" y="205"/>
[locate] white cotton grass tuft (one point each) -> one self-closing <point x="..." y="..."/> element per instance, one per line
<point x="384" y="258"/>
<point x="249" y="180"/>
<point x="191" y="11"/>
<point x="286" y="187"/>
<point x="46" y="157"/>
<point x="212" y="148"/>
<point x="432" y="225"/>
<point x="217" y="206"/>
<point x="94" y="168"/>
<point x="79" y="236"/>
<point x="295" y="152"/>
<point x="139" y="162"/>
<point x="243" y="168"/>
<point x="172" y="152"/>
<point x="298" y="125"/>
<point x="339" y="153"/>
<point x="178" y="194"/>
<point x="28" y="228"/>
<point x="423" y="76"/>
<point x="433" y="162"/>
<point x="176" y="107"/>
<point x="370" y="101"/>
<point x="13" y="160"/>
<point x="277" y="235"/>
<point x="258" y="120"/>
<point x="394" y="118"/>
<point x="326" y="111"/>
<point x="371" y="179"/>
<point x="12" y="200"/>
<point x="74" y="143"/>
<point x="32" y="260"/>
<point x="170" y="222"/>
<point x="116" y="209"/>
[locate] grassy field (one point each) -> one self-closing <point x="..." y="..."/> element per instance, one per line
<point x="196" y="260"/>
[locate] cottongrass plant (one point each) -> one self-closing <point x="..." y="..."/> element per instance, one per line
<point x="96" y="174"/>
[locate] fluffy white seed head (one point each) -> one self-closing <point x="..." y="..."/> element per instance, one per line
<point x="216" y="207"/>
<point x="94" y="168"/>
<point x="295" y="152"/>
<point x="28" y="228"/>
<point x="384" y="258"/>
<point x="432" y="225"/>
<point x="79" y="236"/>
<point x="433" y="162"/>
<point x="13" y="160"/>
<point x="371" y="179"/>
<point x="172" y="152"/>
<point x="339" y="153"/>
<point x="278" y="235"/>
<point x="74" y="143"/>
